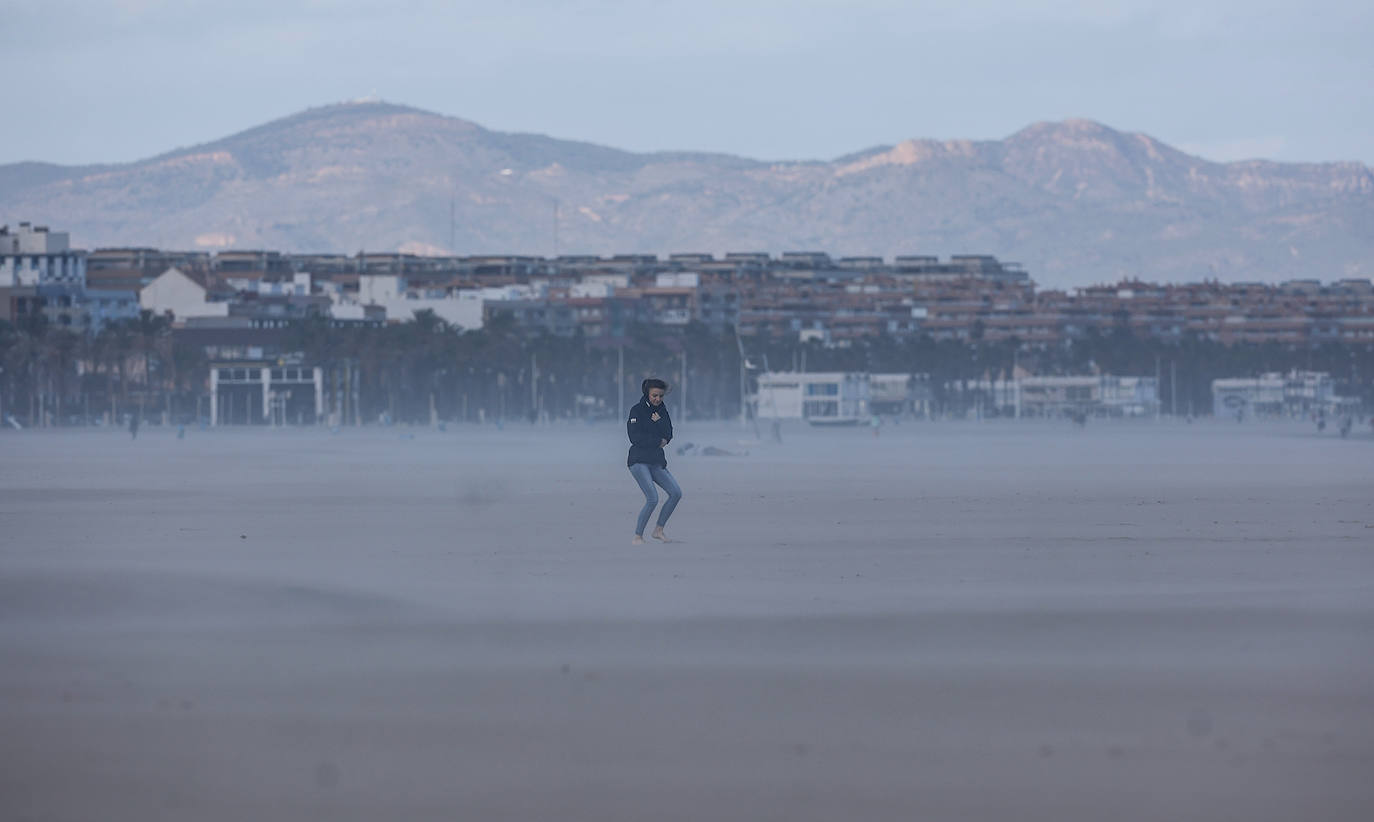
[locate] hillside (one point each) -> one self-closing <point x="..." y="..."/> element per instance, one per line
<point x="1075" y="201"/>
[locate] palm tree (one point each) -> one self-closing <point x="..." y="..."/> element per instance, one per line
<point x="59" y="354"/>
<point x="150" y="331"/>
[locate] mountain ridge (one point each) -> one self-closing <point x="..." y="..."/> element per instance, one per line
<point x="1075" y="201"/>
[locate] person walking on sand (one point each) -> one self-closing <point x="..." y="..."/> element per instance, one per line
<point x="650" y="429"/>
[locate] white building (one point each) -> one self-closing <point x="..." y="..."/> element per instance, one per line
<point x="899" y="394"/>
<point x="462" y="308"/>
<point x="1295" y="394"/>
<point x="173" y="291"/>
<point x="256" y="393"/>
<point x="682" y="279"/>
<point x="297" y="286"/>
<point x="1102" y="395"/>
<point x="824" y="397"/>
<point x="35" y="256"/>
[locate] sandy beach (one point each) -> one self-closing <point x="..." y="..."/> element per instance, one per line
<point x="950" y="621"/>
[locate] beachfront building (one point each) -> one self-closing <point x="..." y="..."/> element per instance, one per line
<point x="840" y="396"/>
<point x="265" y="393"/>
<point x="826" y="397"/>
<point x="1296" y="394"/>
<point x="1103" y="395"/>
<point x="899" y="394"/>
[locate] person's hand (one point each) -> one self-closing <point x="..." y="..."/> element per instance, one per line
<point x="662" y="443"/>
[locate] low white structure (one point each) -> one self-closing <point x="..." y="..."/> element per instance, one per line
<point x="256" y="393"/>
<point x="175" y="292"/>
<point x="1295" y="394"/>
<point x="899" y="394"/>
<point x="826" y="397"/>
<point x="1102" y="395"/>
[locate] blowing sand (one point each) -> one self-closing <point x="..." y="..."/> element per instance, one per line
<point x="950" y="621"/>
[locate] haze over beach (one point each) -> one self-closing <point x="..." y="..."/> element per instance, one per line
<point x="953" y="621"/>
<point x="613" y="411"/>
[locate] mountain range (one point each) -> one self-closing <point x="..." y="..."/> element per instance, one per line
<point x="1076" y="202"/>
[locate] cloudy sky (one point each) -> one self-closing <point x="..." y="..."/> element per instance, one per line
<point x="117" y="80"/>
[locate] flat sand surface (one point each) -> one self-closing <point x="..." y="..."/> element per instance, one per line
<point x="1000" y="621"/>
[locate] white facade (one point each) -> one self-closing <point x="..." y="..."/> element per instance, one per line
<point x="824" y="396"/>
<point x="297" y="286"/>
<point x="597" y="290"/>
<point x="612" y="281"/>
<point x="33" y="240"/>
<point x="899" y="394"/>
<point x="683" y="279"/>
<point x="1101" y="395"/>
<point x="1295" y="394"/>
<point x="177" y="293"/>
<point x="34" y="256"/>
<point x="463" y="308"/>
<point x="270" y="393"/>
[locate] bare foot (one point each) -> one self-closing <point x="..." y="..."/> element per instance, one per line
<point x="638" y="540"/>
<point x="660" y="536"/>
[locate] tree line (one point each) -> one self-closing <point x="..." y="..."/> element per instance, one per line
<point x="426" y="370"/>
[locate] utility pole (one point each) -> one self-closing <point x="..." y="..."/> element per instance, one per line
<point x="534" y="384"/>
<point x="620" y="378"/>
<point x="743" y="419"/>
<point x="1173" y="389"/>
<point x="1159" y="405"/>
<point x="1016" y="386"/>
<point x="452" y="223"/>
<point x="682" y="383"/>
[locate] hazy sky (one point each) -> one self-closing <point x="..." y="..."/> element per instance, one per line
<point x="117" y="80"/>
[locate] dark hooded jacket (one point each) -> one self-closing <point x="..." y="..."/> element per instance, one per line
<point x="646" y="433"/>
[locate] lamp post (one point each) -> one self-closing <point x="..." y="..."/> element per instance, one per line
<point x="743" y="422"/>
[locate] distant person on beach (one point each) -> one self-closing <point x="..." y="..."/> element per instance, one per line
<point x="133" y="426"/>
<point x="650" y="429"/>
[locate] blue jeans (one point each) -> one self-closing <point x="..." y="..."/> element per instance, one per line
<point x="646" y="476"/>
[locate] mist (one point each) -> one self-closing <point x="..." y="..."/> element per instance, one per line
<point x="1131" y="619"/>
